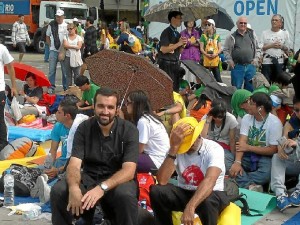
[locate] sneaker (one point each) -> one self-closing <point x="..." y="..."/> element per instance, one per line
<point x="34" y="192"/>
<point x="256" y="187"/>
<point x="283" y="202"/>
<point x="295" y="198"/>
<point x="44" y="188"/>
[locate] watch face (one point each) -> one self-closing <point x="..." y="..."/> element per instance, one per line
<point x="104" y="186"/>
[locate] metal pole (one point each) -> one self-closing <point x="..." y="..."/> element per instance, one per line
<point x="138" y="15"/>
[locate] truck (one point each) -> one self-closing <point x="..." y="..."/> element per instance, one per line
<point x="35" y="13"/>
<point x="258" y="13"/>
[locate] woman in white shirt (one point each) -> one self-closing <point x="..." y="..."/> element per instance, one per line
<point x="73" y="61"/>
<point x="153" y="138"/>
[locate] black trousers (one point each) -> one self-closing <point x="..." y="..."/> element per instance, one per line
<point x="120" y="205"/>
<point x="3" y="128"/>
<point x="271" y="71"/>
<point x="171" y="68"/>
<point x="168" y="198"/>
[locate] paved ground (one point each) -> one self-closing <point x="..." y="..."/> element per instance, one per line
<point x="274" y="218"/>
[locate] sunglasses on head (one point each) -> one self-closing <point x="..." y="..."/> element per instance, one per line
<point x="296" y="110"/>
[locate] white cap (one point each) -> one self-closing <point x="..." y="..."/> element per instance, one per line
<point x="276" y="101"/>
<point x="75" y="20"/>
<point x="249" y="26"/>
<point x="211" y="21"/>
<point x="59" y="12"/>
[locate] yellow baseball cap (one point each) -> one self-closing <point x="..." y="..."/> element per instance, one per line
<point x="195" y="130"/>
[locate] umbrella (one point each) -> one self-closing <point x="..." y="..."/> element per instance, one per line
<point x="191" y="9"/>
<point x="222" y="18"/>
<point x="128" y="72"/>
<point x="136" y="33"/>
<point x="21" y="71"/>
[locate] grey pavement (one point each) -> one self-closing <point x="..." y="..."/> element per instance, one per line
<point x="37" y="60"/>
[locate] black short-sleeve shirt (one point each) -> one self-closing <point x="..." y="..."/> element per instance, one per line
<point x="169" y="36"/>
<point x="103" y="156"/>
<point x="35" y="92"/>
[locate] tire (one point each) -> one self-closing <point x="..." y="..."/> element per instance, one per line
<point x="39" y="45"/>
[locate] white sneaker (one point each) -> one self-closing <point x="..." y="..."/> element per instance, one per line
<point x="44" y="188"/>
<point x="256" y="187"/>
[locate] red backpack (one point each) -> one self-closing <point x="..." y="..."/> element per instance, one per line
<point x="146" y="180"/>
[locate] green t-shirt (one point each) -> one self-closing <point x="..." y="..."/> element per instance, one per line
<point x="89" y="95"/>
<point x="199" y="91"/>
<point x="204" y="40"/>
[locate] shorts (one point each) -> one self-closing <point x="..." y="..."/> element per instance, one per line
<point x="22" y="47"/>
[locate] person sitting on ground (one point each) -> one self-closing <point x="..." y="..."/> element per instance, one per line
<point x="199" y="164"/>
<point x="174" y="112"/>
<point x="220" y="125"/>
<point x="287" y="163"/>
<point x="101" y="168"/>
<point x="184" y="86"/>
<point x="32" y="94"/>
<point x="67" y="118"/>
<point x="85" y="105"/>
<point x="201" y="107"/>
<point x="260" y="130"/>
<point x="153" y="137"/>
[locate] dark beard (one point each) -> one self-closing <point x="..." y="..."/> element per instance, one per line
<point x="104" y="122"/>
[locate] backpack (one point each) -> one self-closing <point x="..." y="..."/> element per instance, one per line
<point x="231" y="189"/>
<point x="25" y="179"/>
<point x="18" y="149"/>
<point x="211" y="47"/>
<point x="134" y="43"/>
<point x="146" y="180"/>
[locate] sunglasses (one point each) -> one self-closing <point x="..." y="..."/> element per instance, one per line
<point x="71" y="28"/>
<point x="208" y="24"/>
<point x="219" y="116"/>
<point x="243" y="23"/>
<point x="296" y="110"/>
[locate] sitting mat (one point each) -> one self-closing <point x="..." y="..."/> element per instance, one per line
<point x="295" y="220"/>
<point x="15" y="132"/>
<point x="22" y="200"/>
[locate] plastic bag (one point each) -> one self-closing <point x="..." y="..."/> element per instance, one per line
<point x="16" y="109"/>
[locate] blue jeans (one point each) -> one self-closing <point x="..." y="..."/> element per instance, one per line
<point x="261" y="175"/>
<point x="53" y="60"/>
<point x="46" y="52"/>
<point x="243" y="74"/>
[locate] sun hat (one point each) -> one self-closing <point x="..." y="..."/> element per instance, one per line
<point x="59" y="12"/>
<point x="211" y="21"/>
<point x="195" y="130"/>
<point x="276" y="101"/>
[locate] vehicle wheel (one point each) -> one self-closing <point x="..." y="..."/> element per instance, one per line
<point x="39" y="45"/>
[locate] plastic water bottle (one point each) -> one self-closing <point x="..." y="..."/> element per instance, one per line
<point x="48" y="162"/>
<point x="9" y="194"/>
<point x="44" y="119"/>
<point x="32" y="214"/>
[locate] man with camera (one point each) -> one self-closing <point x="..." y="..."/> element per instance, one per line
<point x="287" y="161"/>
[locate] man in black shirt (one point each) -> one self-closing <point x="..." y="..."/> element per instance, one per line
<point x="170" y="46"/>
<point x="105" y="148"/>
<point x="90" y="42"/>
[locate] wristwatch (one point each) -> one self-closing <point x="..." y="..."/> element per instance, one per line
<point x="104" y="187"/>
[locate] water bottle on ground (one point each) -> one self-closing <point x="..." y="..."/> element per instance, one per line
<point x="9" y="195"/>
<point x="48" y="162"/>
<point x="32" y="214"/>
<point x="44" y="119"/>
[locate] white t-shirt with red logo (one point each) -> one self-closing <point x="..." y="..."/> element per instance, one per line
<point x="191" y="168"/>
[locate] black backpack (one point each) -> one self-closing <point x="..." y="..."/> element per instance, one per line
<point x="231" y="189"/>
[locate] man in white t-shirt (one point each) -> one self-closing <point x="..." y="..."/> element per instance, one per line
<point x="275" y="42"/>
<point x="260" y="130"/>
<point x="200" y="166"/>
<point x="5" y="59"/>
<point x="57" y="30"/>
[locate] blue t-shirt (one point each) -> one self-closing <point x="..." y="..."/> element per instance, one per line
<point x="60" y="134"/>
